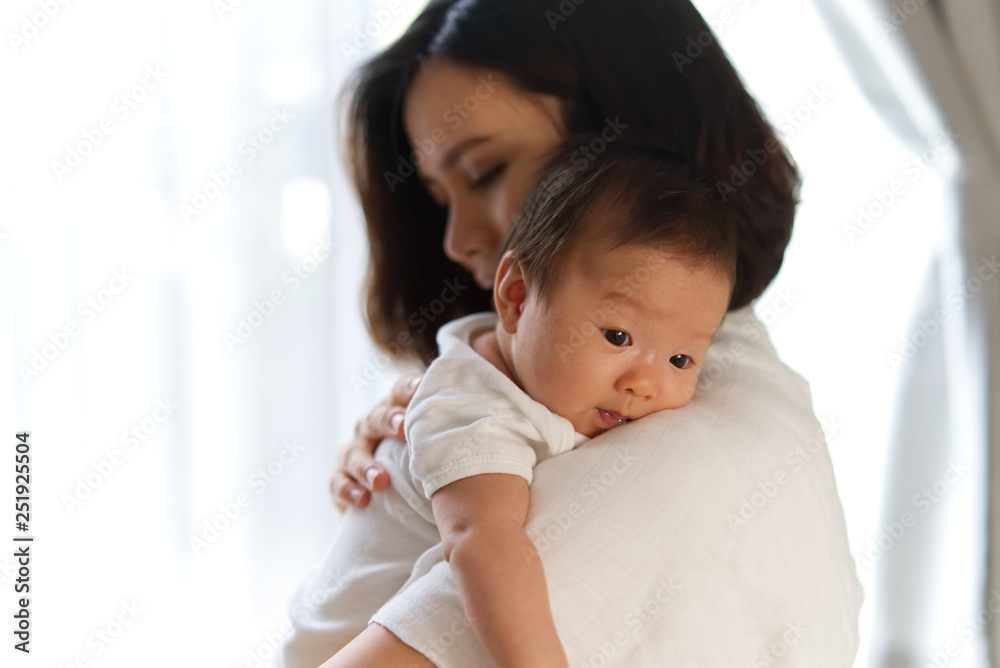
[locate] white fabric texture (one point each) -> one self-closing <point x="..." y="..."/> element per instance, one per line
<point x="467" y="417"/>
<point x="711" y="535"/>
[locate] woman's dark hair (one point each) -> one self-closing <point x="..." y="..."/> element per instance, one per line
<point x="629" y="195"/>
<point x="651" y="65"/>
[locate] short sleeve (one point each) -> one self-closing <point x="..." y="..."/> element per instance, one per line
<point x="451" y="440"/>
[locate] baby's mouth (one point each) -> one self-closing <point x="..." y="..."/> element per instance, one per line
<point x="612" y="419"/>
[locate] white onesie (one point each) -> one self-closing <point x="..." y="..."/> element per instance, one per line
<point x="467" y="417"/>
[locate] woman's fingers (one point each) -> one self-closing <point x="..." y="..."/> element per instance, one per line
<point x="346" y="492"/>
<point x="386" y="420"/>
<point x="359" y="473"/>
<point x="382" y="422"/>
<point x="362" y="467"/>
<point x="403" y="390"/>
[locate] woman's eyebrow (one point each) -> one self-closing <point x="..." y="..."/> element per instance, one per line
<point x="452" y="156"/>
<point x="456" y="151"/>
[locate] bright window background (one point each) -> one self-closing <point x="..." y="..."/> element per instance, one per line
<point x="845" y="294"/>
<point x="285" y="382"/>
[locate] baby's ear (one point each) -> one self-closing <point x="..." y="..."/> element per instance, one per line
<point x="510" y="291"/>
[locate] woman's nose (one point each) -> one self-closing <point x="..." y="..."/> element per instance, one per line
<point x="466" y="236"/>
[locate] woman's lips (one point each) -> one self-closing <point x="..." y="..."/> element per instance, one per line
<point x="611" y="419"/>
<point x="485" y="281"/>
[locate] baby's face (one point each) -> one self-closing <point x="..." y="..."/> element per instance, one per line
<point x="624" y="334"/>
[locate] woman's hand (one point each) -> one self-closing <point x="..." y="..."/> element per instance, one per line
<point x="359" y="473"/>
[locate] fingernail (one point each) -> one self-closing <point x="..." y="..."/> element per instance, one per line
<point x="371" y="474"/>
<point x="412" y="385"/>
<point x="396" y="420"/>
<point x="356" y="494"/>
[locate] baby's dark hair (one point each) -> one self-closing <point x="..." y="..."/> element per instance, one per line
<point x="652" y="195"/>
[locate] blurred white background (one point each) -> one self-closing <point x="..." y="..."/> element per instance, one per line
<point x="184" y="342"/>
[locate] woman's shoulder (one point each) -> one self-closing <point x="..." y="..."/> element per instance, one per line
<point x="736" y="487"/>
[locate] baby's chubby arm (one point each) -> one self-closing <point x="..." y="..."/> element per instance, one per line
<point x="497" y="569"/>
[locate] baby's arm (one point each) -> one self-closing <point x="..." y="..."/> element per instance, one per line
<point x="497" y="569"/>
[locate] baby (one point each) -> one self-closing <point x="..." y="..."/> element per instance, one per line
<point x="613" y="282"/>
<point x="615" y="276"/>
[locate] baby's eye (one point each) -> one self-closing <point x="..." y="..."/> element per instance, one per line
<point x="617" y="337"/>
<point x="681" y="361"/>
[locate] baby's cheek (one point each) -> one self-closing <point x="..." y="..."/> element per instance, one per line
<point x="689" y="389"/>
<point x="683" y="392"/>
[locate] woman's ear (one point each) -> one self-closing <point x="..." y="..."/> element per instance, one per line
<point x="510" y="291"/>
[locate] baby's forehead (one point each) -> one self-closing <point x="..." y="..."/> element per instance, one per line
<point x="622" y="270"/>
<point x="653" y="283"/>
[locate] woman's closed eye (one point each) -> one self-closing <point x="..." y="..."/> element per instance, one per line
<point x="488" y="178"/>
<point x="681" y="361"/>
<point x="617" y="337"/>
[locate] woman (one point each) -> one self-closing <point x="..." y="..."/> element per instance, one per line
<point x="710" y="535"/>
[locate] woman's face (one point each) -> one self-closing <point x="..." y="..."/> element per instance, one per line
<point x="481" y="143"/>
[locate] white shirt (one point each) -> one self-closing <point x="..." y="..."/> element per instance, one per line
<point x="467" y="417"/>
<point x="710" y="535"/>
